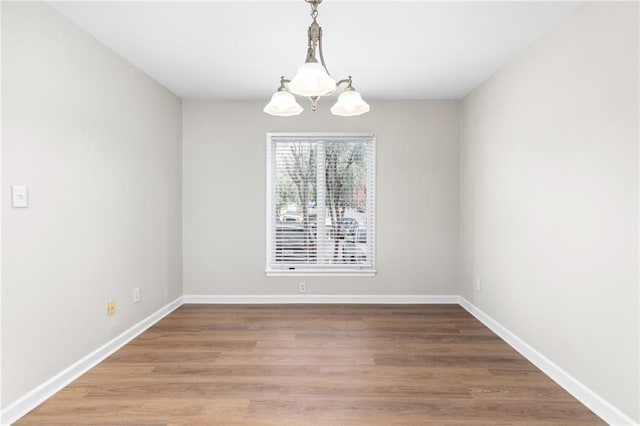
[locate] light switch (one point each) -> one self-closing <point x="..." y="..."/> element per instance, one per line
<point x="19" y="196"/>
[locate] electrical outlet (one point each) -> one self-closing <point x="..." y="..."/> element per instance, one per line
<point x="302" y="287"/>
<point x="478" y="284"/>
<point x="136" y="295"/>
<point x="111" y="307"/>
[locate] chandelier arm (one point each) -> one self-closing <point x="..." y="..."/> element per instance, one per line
<point x="321" y="53"/>
<point x="283" y="83"/>
<point x="346" y="81"/>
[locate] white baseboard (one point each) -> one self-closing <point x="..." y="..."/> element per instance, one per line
<point x="46" y="390"/>
<point x="582" y="393"/>
<point x="319" y="298"/>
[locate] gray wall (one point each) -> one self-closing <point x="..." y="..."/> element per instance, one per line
<point x="98" y="144"/>
<point x="549" y="199"/>
<point x="224" y="163"/>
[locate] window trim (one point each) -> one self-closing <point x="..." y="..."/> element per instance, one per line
<point x="346" y="271"/>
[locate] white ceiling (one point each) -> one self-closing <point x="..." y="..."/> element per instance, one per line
<point x="393" y="49"/>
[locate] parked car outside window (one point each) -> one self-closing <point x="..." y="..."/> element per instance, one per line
<point x="355" y="246"/>
<point x="291" y="216"/>
<point x="347" y="226"/>
<point x="294" y="244"/>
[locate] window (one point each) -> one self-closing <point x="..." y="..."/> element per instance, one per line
<point x="320" y="203"/>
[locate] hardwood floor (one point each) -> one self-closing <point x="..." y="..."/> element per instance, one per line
<point x="314" y="365"/>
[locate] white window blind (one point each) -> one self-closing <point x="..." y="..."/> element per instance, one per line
<point x="320" y="203"/>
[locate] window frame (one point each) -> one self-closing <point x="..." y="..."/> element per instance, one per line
<point x="347" y="270"/>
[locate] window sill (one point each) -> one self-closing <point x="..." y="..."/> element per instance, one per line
<point x="320" y="273"/>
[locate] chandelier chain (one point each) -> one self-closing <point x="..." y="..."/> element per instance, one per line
<point x="314" y="7"/>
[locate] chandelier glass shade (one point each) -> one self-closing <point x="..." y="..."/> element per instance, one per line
<point x="350" y="103"/>
<point x="283" y="104"/>
<point x="313" y="81"/>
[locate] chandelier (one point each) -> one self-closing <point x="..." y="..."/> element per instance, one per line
<point x="313" y="80"/>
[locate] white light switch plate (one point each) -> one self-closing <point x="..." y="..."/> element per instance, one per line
<point x="19" y="196"/>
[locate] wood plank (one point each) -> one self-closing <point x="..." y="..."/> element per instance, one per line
<point x="314" y="365"/>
